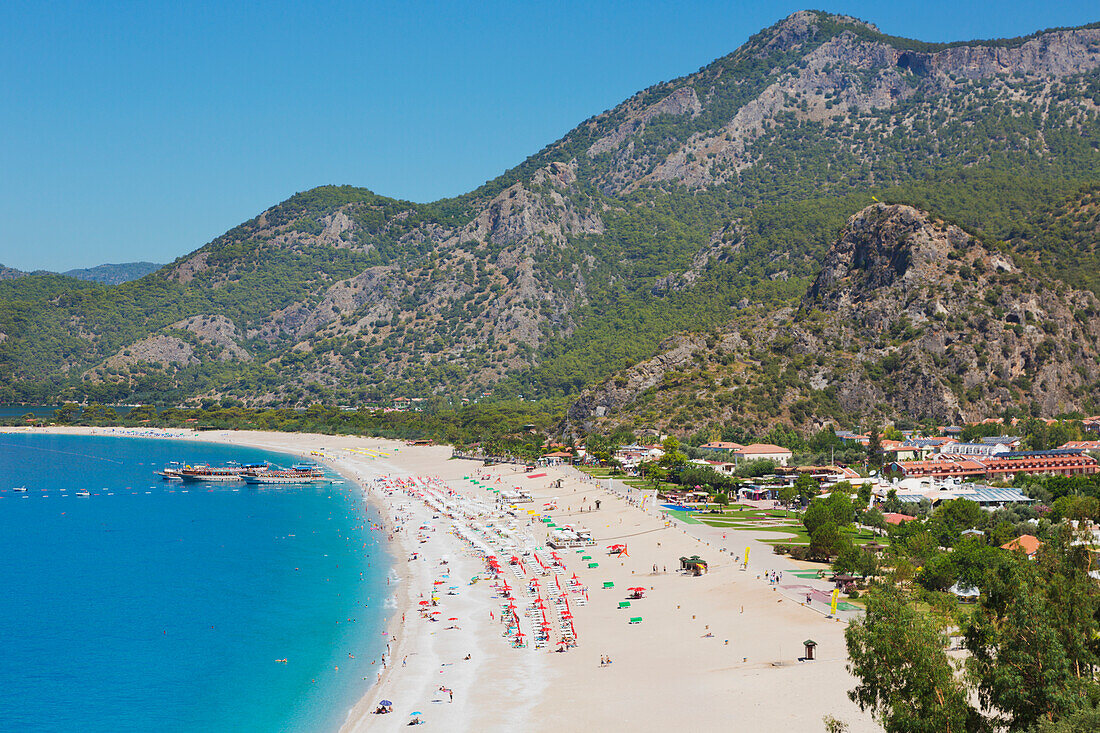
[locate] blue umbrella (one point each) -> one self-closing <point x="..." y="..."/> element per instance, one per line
<point x="387" y="703"/>
<point x="416" y="713"/>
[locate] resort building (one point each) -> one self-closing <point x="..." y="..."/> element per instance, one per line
<point x="766" y="451"/>
<point x="721" y="446"/>
<point x="987" y="497"/>
<point x="972" y="449"/>
<point x="945" y="467"/>
<point x="1064" y="462"/>
<point x="1001" y="466"/>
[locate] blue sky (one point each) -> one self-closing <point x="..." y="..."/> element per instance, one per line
<point x="141" y="130"/>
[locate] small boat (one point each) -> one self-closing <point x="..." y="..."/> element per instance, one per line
<point x="83" y="492"/>
<point x="19" y="488"/>
<point x="172" y="472"/>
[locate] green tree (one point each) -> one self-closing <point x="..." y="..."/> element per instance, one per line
<point x="874" y="448"/>
<point x="905" y="677"/>
<point x="938" y="572"/>
<point x="787" y="495"/>
<point x="864" y="495"/>
<point x="840" y="508"/>
<point x="1033" y="640"/>
<point x="806" y="487"/>
<point x="874" y="518"/>
<point x="827" y="541"/>
<point x="815" y="515"/>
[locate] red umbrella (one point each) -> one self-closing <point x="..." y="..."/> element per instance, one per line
<point x="452" y="619"/>
<point x="639" y="588"/>
<point x="424" y="603"/>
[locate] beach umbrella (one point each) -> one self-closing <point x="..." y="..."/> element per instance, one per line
<point x="387" y="703"/>
<point x="416" y="712"/>
<point x="424" y="603"/>
<point x="452" y="619"/>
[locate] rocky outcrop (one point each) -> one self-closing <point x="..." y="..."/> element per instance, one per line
<point x="218" y="332"/>
<point x="909" y="317"/>
<point x="159" y="349"/>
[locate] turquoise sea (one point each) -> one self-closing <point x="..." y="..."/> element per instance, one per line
<point x="160" y="605"/>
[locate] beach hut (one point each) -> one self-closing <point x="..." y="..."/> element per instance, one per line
<point x="809" y="644"/>
<point x="694" y="565"/>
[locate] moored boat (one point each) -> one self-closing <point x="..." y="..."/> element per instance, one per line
<point x="302" y="473"/>
<point x="171" y="472"/>
<point x="230" y="472"/>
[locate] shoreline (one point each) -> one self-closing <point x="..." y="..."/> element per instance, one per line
<point x="710" y="650"/>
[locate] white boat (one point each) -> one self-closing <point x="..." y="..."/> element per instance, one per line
<point x="19" y="488"/>
<point x="172" y="472"/>
<point x="83" y="492"/>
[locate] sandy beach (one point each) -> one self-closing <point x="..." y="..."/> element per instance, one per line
<point x="710" y="652"/>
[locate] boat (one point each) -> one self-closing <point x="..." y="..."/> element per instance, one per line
<point x="300" y="473"/>
<point x="229" y="472"/>
<point x="171" y="472"/>
<point x="83" y="492"/>
<point x="19" y="488"/>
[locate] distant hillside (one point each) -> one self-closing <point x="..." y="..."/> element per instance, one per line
<point x="909" y="318"/>
<point x="691" y="204"/>
<point x="10" y="273"/>
<point x="111" y="274"/>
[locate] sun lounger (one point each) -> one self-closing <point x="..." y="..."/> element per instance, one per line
<point x="635" y="619"/>
<point x="608" y="584"/>
<point x="624" y="604"/>
<point x="593" y="564"/>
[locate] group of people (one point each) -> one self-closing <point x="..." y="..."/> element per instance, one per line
<point x="773" y="576"/>
<point x="604" y="660"/>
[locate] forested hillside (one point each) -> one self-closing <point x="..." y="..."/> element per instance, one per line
<point x="909" y="318"/>
<point x="698" y="202"/>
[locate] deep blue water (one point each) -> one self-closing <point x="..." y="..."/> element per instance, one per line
<point x="144" y="607"/>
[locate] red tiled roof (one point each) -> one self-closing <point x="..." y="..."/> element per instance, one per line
<point x="1041" y="464"/>
<point x="895" y="518"/>
<point x="941" y="467"/>
<point x="764" y="448"/>
<point x="1082" y="445"/>
<point x="1030" y="544"/>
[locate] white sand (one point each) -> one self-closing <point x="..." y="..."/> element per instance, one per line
<point x="666" y="672"/>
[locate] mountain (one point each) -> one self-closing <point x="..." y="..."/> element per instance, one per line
<point x="683" y="209"/>
<point x="112" y="274"/>
<point x="909" y="318"/>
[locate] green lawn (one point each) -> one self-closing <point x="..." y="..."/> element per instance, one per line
<point x="632" y="481"/>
